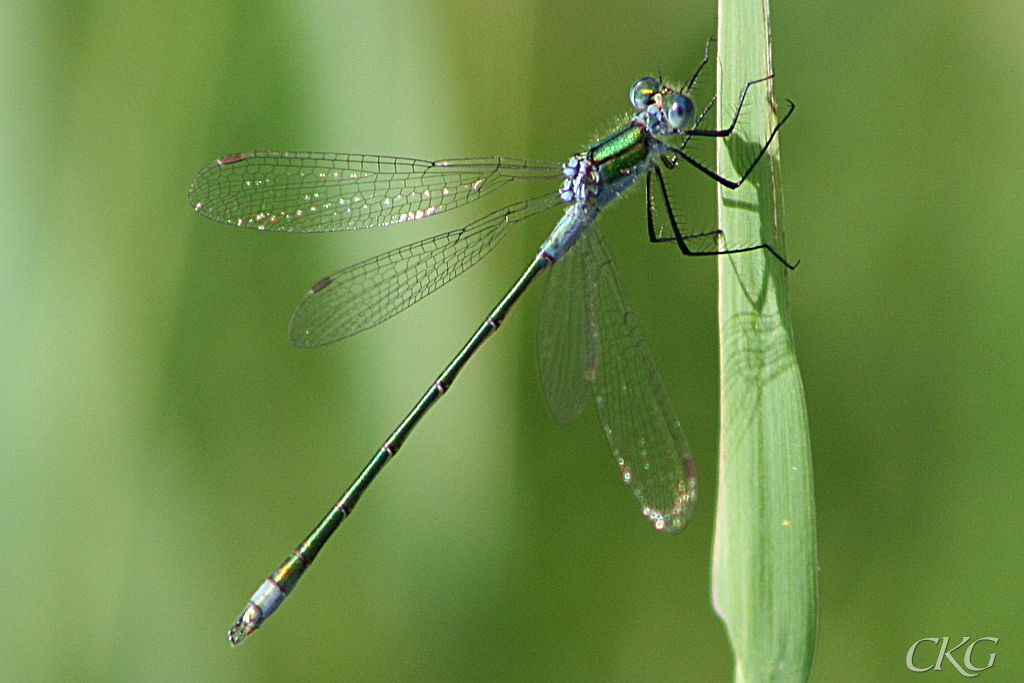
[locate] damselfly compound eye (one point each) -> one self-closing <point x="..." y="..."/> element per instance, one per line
<point x="680" y="112"/>
<point x="643" y="91"/>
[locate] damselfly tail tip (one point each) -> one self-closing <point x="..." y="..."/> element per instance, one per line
<point x="261" y="605"/>
<point x="248" y="621"/>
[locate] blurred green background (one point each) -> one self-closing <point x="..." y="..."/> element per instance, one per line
<point x="162" y="448"/>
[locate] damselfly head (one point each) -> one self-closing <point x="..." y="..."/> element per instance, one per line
<point x="663" y="108"/>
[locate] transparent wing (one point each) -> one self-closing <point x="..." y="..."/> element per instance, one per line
<point x="370" y="292"/>
<point x="567" y="335"/>
<point x="321" y="192"/>
<point x="643" y="431"/>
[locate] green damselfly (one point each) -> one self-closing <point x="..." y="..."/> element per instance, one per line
<point x="588" y="343"/>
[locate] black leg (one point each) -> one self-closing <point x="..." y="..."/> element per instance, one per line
<point x="677" y="236"/>
<point x="725" y="132"/>
<point x="707" y="52"/>
<point x="732" y="184"/>
<point x="680" y="239"/>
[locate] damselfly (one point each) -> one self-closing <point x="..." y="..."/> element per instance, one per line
<point x="589" y="342"/>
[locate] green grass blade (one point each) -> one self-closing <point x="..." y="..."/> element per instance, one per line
<point x="764" y="583"/>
